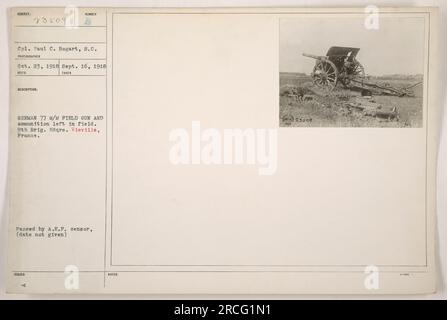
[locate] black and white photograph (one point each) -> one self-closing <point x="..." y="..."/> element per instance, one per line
<point x="342" y="72"/>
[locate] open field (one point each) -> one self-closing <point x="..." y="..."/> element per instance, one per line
<point x="302" y="104"/>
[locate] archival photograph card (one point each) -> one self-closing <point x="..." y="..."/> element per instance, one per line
<point x="222" y="151"/>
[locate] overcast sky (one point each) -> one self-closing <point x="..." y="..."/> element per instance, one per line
<point x="396" y="48"/>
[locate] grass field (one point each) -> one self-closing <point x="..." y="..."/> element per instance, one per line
<point x="322" y="109"/>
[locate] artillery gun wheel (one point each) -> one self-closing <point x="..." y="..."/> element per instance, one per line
<point x="356" y="74"/>
<point x="325" y="75"/>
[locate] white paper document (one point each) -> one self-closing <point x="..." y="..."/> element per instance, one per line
<point x="225" y="151"/>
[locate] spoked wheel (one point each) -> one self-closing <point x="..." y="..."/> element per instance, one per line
<point x="355" y="74"/>
<point x="325" y="75"/>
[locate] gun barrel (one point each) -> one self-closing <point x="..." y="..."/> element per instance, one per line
<point x="312" y="56"/>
